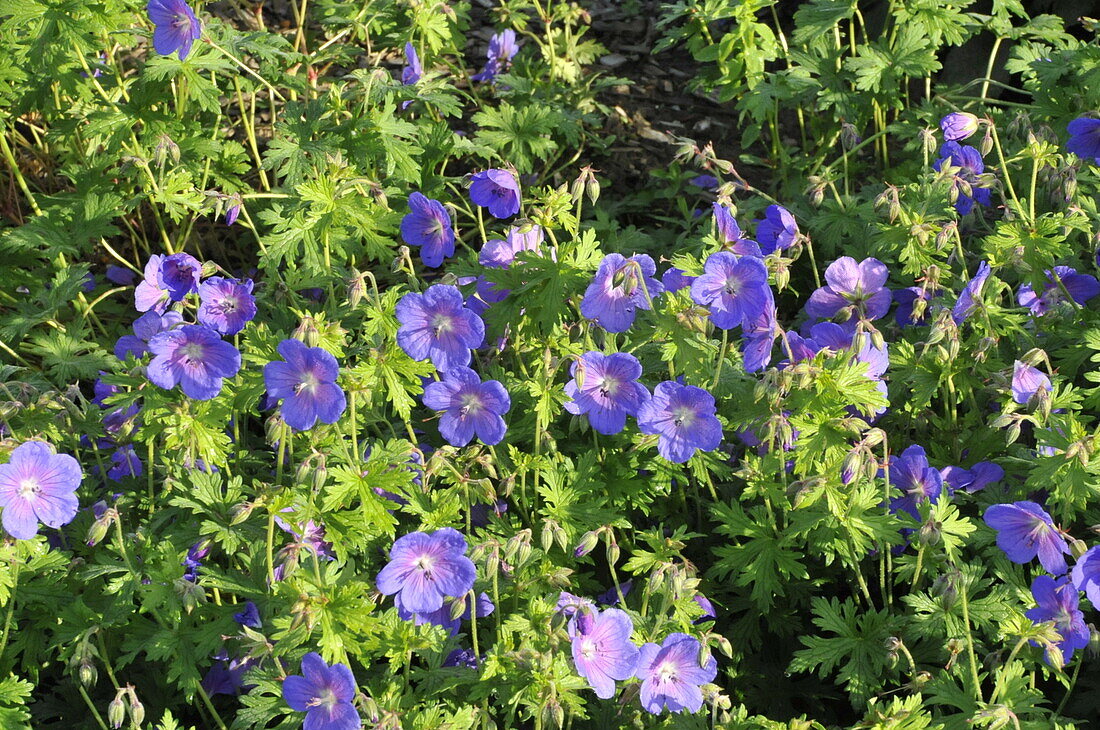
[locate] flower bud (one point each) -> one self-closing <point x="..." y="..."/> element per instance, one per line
<point x="116" y="712"/>
<point x="458" y="607"/>
<point x="613" y="553"/>
<point x="99" y="528"/>
<point x="87" y="673"/>
<point x="240" y="512"/>
<point x="987" y="144"/>
<point x="849" y="137"/>
<point x="931" y="532"/>
<point x="307" y="331"/>
<point x="137" y="710"/>
<point x="1077" y="548"/>
<point x="587" y="543"/>
<point x="166" y="149"/>
<point x="958" y="126"/>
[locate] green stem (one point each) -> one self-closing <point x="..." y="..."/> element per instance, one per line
<point x="11" y="605"/>
<point x="721" y="356"/>
<point x="91" y="706"/>
<point x="246" y="69"/>
<point x="973" y="660"/>
<point x="1072" y="684"/>
<point x="1004" y="167"/>
<point x="989" y="66"/>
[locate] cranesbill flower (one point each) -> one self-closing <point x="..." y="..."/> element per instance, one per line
<point x="1058" y="602"/>
<point x="180" y="273"/>
<point x="957" y="126"/>
<point x="249" y="617"/>
<point x="684" y="417"/>
<point x="126" y="464"/>
<point x="1084" y="138"/>
<point x="917" y="481"/>
<point x="498" y="254"/>
<point x="306" y="382"/>
<point x="974" y="479"/>
<point x="470" y="407"/>
<point x="502" y="48"/>
<point x="732" y="234"/>
<point x="675" y="279"/>
<point x="907" y="301"/>
<point x="176" y="29"/>
<point x="151" y="293"/>
<point x="145" y="327"/>
<point x="37" y="485"/>
<point x="436" y="325"/>
<point x="120" y="275"/>
<point x="671" y="674"/>
<point x="969" y="162"/>
<point x="227" y="676"/>
<point x="423" y="569"/>
<point x="1024" y="531"/>
<point x="233" y="212"/>
<point x="1027" y="382"/>
<point x="226" y="305"/>
<point x="602" y="649"/>
<point x="759" y="336"/>
<point x="413" y="70"/>
<point x="967" y="302"/>
<point x="606" y="389"/>
<point x="497" y="190"/>
<point x="485" y="295"/>
<point x="735" y="289"/>
<point x="192" y="562"/>
<point x="1081" y="288"/>
<point x="778" y="231"/>
<point x="839" y="339"/>
<point x="569" y="605"/>
<point x="193" y="357"/>
<point x="852" y="288"/>
<point x="1086" y="575"/>
<point x="461" y="658"/>
<point x="706" y="182"/>
<point x="428" y="226"/>
<point x="620" y="287"/>
<point x="326" y="694"/>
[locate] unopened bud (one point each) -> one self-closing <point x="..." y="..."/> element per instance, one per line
<point x="458" y="607"/>
<point x="240" y="512"/>
<point x="87" y="673"/>
<point x="587" y="543"/>
<point x="546" y="537"/>
<point x="307" y="332"/>
<point x="987" y="143"/>
<point x="849" y="137"/>
<point x="137" y="710"/>
<point x="931" y="532"/>
<point x="116" y="712"/>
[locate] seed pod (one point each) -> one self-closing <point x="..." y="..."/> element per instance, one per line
<point x="724" y="645"/>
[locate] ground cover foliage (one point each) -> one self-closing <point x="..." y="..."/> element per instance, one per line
<point x="347" y="380"/>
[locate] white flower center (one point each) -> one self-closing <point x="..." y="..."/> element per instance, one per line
<point x="667" y="672"/>
<point x="683" y="416"/>
<point x="29" y="489"/>
<point x="588" y="648"/>
<point x="191" y="352"/>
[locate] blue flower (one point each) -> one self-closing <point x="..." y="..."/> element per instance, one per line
<point x="428" y="226"/>
<point x="497" y="190"/>
<point x="684" y="418"/>
<point x="1084" y="138"/>
<point x="470" y="407"/>
<point x="732" y="234"/>
<point x="502" y="48"/>
<point x="1028" y="382"/>
<point x="226" y="305"/>
<point x="852" y="288"/>
<point x="778" y="231"/>
<point x="424" y="569"/>
<point x="958" y="126"/>
<point x="672" y="675"/>
<point x="436" y="325"/>
<point x="917" y="481"/>
<point x="620" y="287"/>
<point x="736" y="290"/>
<point x="1081" y="288"/>
<point x="326" y="694"/>
<point x="967" y="302"/>
<point x="1024" y="531"/>
<point x="969" y="162"/>
<point x="193" y="357"/>
<point x="606" y="389"/>
<point x="306" y="382"/>
<point x="176" y="27"/>
<point x="1058" y="603"/>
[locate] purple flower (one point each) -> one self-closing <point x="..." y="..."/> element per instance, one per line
<point x="435" y="325"/>
<point x="1086" y="575"/>
<point x="917" y="481"/>
<point x="167" y="278"/>
<point x="309" y="537"/>
<point x="193" y="357"/>
<point x="1027" y="382"/>
<point x="1025" y="530"/>
<point x="620" y="287"/>
<point x="443" y="616"/>
<point x="497" y="190"/>
<point x="1084" y="138"/>
<point x="145" y="328"/>
<point x="470" y="407"/>
<point x="461" y="658"/>
<point x="193" y="560"/>
<point x="497" y="254"/>
<point x="232" y="212"/>
<point x="37" y="485"/>
<point x="759" y="337"/>
<point x="606" y="389"/>
<point x="969" y="161"/>
<point x="569" y="605"/>
<point x="852" y="287"/>
<point x="176" y="27"/>
<point x="610" y="597"/>
<point x="736" y="290"/>
<point x="1058" y="602"/>
<point x="966" y="303"/>
<point x="249" y="617"/>
<point x="706" y="182"/>
<point x="428" y="226"/>
<point x="502" y="48"/>
<point x="306" y="382"/>
<point x="675" y="279"/>
<point x="424" y="568"/>
<point x="602" y="649"/>
<point x="839" y="339"/>
<point x="731" y="232"/>
<point x="683" y="416"/>
<point x="907" y="300"/>
<point x="326" y="694"/>
<point x="126" y="464"/>
<point x="671" y="674"/>
<point x="413" y="70"/>
<point x="226" y="305"/>
<point x="958" y="126"/>
<point x="485" y="295"/>
<point x="1081" y="288"/>
<point x="120" y="275"/>
<point x="227" y="676"/>
<point x="708" y="608"/>
<point x="974" y="479"/>
<point x="103" y="391"/>
<point x="778" y="231"/>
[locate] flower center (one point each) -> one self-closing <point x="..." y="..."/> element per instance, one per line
<point x="683" y="416"/>
<point x="606" y="386"/>
<point x="666" y="672"/>
<point x="228" y="305"/>
<point x="588" y="648"/>
<point x="182" y="22"/>
<point x="733" y="286"/>
<point x="29" y="489"/>
<point x="471" y="404"/>
<point x="425" y="563"/>
<point x="308" y="383"/>
<point x="325" y="698"/>
<point x="441" y="323"/>
<point x="191" y="353"/>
